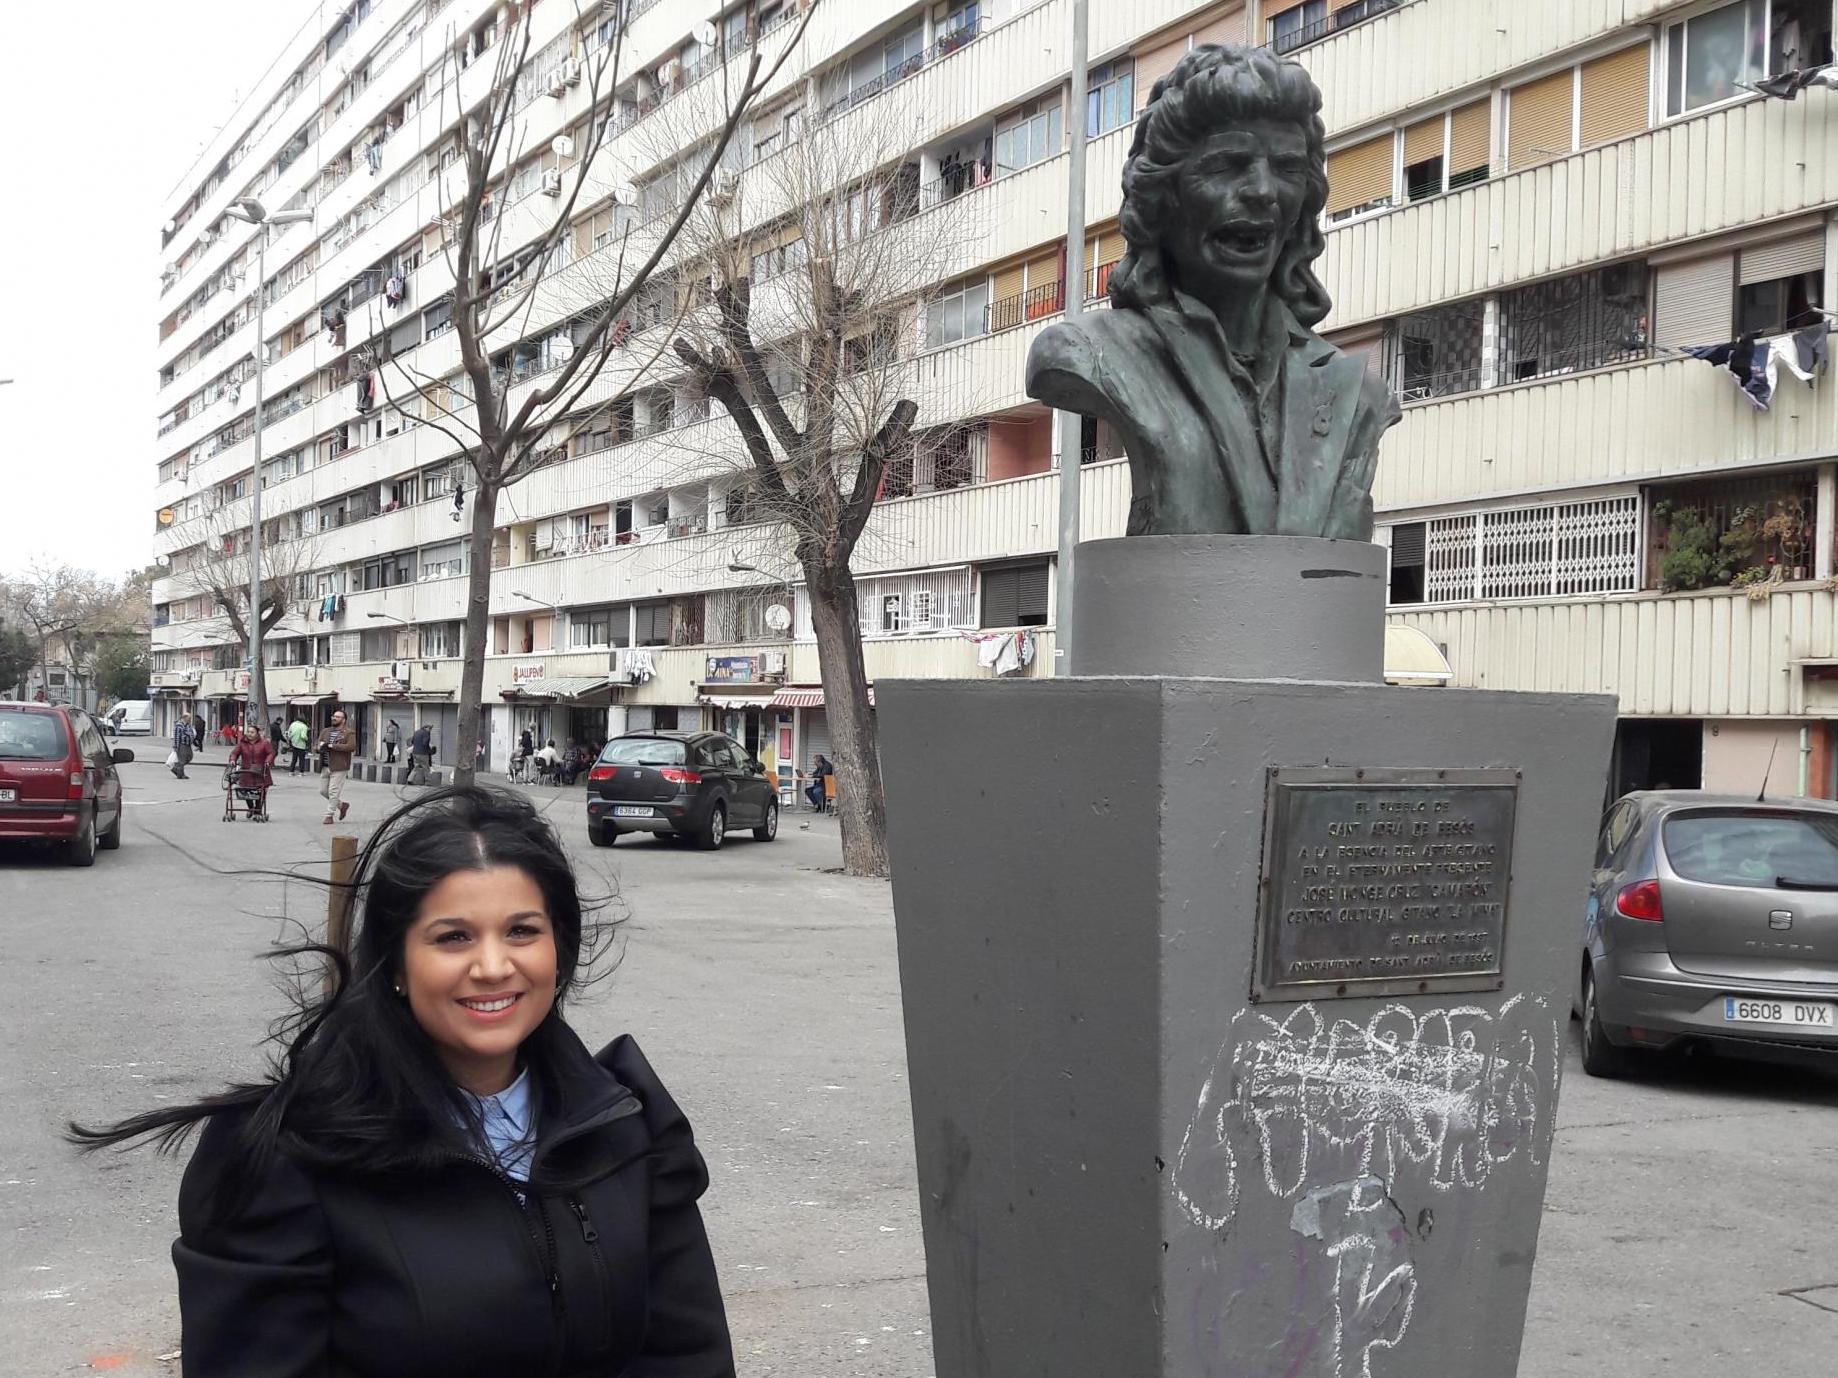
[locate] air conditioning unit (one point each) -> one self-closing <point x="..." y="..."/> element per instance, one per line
<point x="723" y="185"/>
<point x="311" y="676"/>
<point x="558" y="82"/>
<point x="774" y="664"/>
<point x="552" y="182"/>
<point x="571" y="71"/>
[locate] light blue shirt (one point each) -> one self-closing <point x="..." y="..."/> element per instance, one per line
<point x="509" y="1119"/>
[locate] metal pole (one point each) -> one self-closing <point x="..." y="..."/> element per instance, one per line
<point x="1070" y="423"/>
<point x="257" y="682"/>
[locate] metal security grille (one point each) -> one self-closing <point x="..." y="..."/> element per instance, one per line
<point x="1535" y="552"/>
<point x="1436" y="353"/>
<point x="1584" y="321"/>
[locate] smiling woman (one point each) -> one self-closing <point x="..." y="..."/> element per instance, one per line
<point x="349" y="1214"/>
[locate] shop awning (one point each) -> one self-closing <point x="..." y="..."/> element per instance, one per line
<point x="806" y="696"/>
<point x="561" y="687"/>
<point x="1412" y="658"/>
<point x="714" y="697"/>
<point x="172" y="691"/>
<point x="430" y="695"/>
<point x="307" y="700"/>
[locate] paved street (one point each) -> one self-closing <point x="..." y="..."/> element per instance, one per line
<point x="1684" y="1211"/>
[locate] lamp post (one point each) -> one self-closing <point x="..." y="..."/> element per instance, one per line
<point x="1071" y="451"/>
<point x="252" y="211"/>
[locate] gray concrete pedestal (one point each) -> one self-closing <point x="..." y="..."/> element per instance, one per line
<point x="1129" y="1164"/>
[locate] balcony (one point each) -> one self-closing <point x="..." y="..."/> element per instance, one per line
<point x="1295" y="39"/>
<point x="955" y="40"/>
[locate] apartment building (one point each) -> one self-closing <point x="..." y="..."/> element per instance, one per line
<point x="1534" y="209"/>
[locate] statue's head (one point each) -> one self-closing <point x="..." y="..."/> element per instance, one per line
<point x="1224" y="184"/>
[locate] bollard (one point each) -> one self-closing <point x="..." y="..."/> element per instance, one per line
<point x="339" y="899"/>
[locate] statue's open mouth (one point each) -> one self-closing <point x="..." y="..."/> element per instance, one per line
<point x="1244" y="237"/>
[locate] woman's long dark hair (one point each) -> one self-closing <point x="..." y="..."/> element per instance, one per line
<point x="354" y="1083"/>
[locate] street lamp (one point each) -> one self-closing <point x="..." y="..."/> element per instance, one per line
<point x="387" y="618"/>
<point x="518" y="593"/>
<point x="250" y="210"/>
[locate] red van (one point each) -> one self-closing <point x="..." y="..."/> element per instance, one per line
<point x="58" y="781"/>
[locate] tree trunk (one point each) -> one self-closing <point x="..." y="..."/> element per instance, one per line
<point x="836" y="619"/>
<point x="478" y="629"/>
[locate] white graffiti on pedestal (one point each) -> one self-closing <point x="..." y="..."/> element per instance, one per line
<point x="1451" y="1095"/>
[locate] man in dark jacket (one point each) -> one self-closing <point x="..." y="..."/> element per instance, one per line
<point x="420" y="754"/>
<point x="336" y="745"/>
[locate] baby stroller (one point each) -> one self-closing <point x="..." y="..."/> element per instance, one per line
<point x="253" y="798"/>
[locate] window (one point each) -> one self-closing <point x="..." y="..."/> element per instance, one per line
<point x="1583" y="321"/>
<point x="1709" y="55"/>
<point x="893" y="613"/>
<point x="436" y="483"/>
<point x="1301" y="23"/>
<point x="1447" y="151"/>
<point x="957" y="313"/>
<point x="1520" y="552"/>
<point x="1780" y="286"/>
<point x="651" y="624"/>
<point x="1109" y="97"/>
<point x="590" y="627"/>
<point x="1436" y="353"/>
<point x="1359" y="178"/>
<point x="437" y="319"/>
<point x="1028" y="136"/>
<point x="442" y="561"/>
<point x="439" y="640"/>
<point x="1015" y="596"/>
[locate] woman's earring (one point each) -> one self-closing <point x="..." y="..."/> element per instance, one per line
<point x="398" y="990"/>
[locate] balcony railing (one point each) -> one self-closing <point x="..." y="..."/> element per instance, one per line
<point x="961" y="179"/>
<point x="1356" y="13"/>
<point x="960" y="36"/>
<point x="1044" y="300"/>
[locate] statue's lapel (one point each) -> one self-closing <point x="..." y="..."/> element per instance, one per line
<point x="1192" y="336"/>
<point x="1320" y="394"/>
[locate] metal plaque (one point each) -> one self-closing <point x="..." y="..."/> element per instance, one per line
<point x="1384" y="882"/>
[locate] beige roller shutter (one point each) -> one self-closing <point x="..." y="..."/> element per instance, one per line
<point x="1104" y="246"/>
<point x="1010" y="281"/>
<point x="1423" y="141"/>
<point x="1336" y="6"/>
<point x="1614" y="98"/>
<point x="1360" y="174"/>
<point x="1223" y="28"/>
<point x="1804" y="253"/>
<point x="1042" y="269"/>
<point x="1154" y="64"/>
<point x="1539" y="116"/>
<point x="1694" y="303"/>
<point x="1470" y="137"/>
<point x="1272" y="8"/>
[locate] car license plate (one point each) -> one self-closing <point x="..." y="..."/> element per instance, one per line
<point x="1799" y="1014"/>
<point x="7" y="796"/>
<point x="632" y="811"/>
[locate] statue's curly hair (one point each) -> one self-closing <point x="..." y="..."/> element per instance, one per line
<point x="1215" y="85"/>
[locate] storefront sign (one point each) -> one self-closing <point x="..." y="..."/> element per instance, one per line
<point x="527" y="673"/>
<point x="733" y="669"/>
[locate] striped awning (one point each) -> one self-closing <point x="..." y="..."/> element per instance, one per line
<point x="560" y="687"/>
<point x="806" y="696"/>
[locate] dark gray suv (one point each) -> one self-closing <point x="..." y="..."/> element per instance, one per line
<point x="1712" y="918"/>
<point x="693" y="785"/>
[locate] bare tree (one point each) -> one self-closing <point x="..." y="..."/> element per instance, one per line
<point x="72" y="609"/>
<point x="508" y="263"/>
<point x="218" y="569"/>
<point x="816" y="272"/>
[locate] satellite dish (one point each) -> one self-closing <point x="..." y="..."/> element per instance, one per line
<point x="778" y="617"/>
<point x="166" y="516"/>
<point x="626" y="194"/>
<point x="562" y="146"/>
<point x="706" y="33"/>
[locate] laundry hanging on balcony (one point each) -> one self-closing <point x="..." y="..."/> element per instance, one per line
<point x="1003" y="652"/>
<point x="1787" y="85"/>
<point x="1756" y="363"/>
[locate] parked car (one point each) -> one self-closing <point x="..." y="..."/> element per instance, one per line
<point x="1712" y="918"/>
<point x="679" y="785"/>
<point x="58" y="781"/>
<point x="130" y="718"/>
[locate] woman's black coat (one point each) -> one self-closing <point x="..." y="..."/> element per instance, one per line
<point x="347" y="1276"/>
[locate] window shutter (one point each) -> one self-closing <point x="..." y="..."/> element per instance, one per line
<point x="1031" y="591"/>
<point x="1423" y="140"/>
<point x="1106" y="247"/>
<point x="1360" y="174"/>
<point x="1000" y="598"/>
<point x="1043" y="269"/>
<point x="1804" y="253"/>
<point x="1009" y="282"/>
<point x="1272" y="8"/>
<point x="1407" y="544"/>
<point x="1694" y="303"/>
<point x="1614" y="96"/>
<point x="1225" y="28"/>
<point x="1153" y="65"/>
<point x="1539" y="116"/>
<point x="1470" y="137"/>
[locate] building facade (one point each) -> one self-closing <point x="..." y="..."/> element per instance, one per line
<point x="1534" y="210"/>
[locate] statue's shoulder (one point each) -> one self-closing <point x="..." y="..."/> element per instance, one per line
<point x="1092" y="355"/>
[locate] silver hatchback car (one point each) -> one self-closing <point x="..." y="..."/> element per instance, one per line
<point x="1712" y="918"/>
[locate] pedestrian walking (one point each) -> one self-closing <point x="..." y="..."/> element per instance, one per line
<point x="420" y="754"/>
<point x="392" y="738"/>
<point x="296" y="741"/>
<point x="277" y="737"/>
<point x="439" y="1177"/>
<point x="335" y="747"/>
<point x="182" y="738"/>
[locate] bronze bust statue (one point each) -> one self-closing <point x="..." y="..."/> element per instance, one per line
<point x="1236" y="416"/>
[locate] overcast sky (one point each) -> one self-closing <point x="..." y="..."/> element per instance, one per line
<point x="104" y="107"/>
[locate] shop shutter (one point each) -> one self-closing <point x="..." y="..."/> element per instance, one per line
<point x="1539" y="117"/>
<point x="1803" y="253"/>
<point x="1470" y="138"/>
<point x="1423" y="140"/>
<point x="1694" y="303"/>
<point x="1614" y="98"/>
<point x="1153" y="65"/>
<point x="1224" y="28"/>
<point x="1359" y="175"/>
<point x="816" y="738"/>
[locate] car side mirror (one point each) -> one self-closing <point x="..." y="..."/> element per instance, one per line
<point x="121" y="756"/>
<point x="755" y="766"/>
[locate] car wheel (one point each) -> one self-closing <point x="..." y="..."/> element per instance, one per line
<point x="768" y="830"/>
<point x="1600" y="1057"/>
<point x="81" y="849"/>
<point x="715" y="831"/>
<point x="601" y="835"/>
<point x="111" y="839"/>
